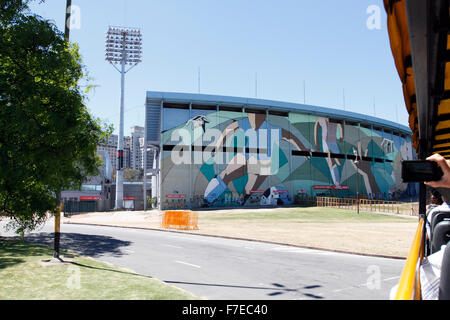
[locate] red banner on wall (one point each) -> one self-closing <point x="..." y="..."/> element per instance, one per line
<point x="128" y="198"/>
<point x="331" y="187"/>
<point x="90" y="198"/>
<point x="341" y="188"/>
<point x="177" y="196"/>
<point x="322" y="187"/>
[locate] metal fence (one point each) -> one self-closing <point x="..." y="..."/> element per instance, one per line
<point x="71" y="206"/>
<point x="382" y="206"/>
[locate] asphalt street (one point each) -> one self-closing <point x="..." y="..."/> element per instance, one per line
<point x="225" y="269"/>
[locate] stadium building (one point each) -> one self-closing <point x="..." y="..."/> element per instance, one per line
<point x="218" y="151"/>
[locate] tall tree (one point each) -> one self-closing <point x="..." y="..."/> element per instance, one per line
<point x="48" y="138"/>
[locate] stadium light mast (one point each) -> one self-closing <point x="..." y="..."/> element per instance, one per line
<point x="123" y="47"/>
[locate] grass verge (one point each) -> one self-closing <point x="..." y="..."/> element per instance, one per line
<point x="325" y="228"/>
<point x="22" y="277"/>
<point x="306" y="215"/>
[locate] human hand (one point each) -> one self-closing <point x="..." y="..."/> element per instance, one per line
<point x="445" y="166"/>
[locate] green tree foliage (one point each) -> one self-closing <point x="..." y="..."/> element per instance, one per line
<point x="48" y="139"/>
<point x="132" y="175"/>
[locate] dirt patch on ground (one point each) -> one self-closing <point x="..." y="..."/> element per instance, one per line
<point x="388" y="238"/>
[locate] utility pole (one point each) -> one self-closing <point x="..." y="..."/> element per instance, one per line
<point x="374" y="110"/>
<point x="57" y="236"/>
<point x="357" y="184"/>
<point x="396" y="112"/>
<point x="123" y="46"/>
<point x="67" y="20"/>
<point x="304" y="92"/>
<point x="256" y="85"/>
<point x="343" y="97"/>
<point x="144" y="185"/>
<point x="198" y="79"/>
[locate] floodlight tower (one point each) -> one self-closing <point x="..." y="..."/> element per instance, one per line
<point x="124" y="47"/>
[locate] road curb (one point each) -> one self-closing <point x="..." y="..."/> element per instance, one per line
<point x="244" y="239"/>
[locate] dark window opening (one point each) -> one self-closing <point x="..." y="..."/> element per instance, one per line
<point x="335" y="121"/>
<point x="337" y="156"/>
<point x="279" y="113"/>
<point x="255" y="111"/>
<point x="320" y="154"/>
<point x="168" y="105"/>
<point x="232" y="109"/>
<point x="301" y="153"/>
<point x="203" y="107"/>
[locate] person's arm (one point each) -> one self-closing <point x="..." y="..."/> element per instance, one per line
<point x="445" y="166"/>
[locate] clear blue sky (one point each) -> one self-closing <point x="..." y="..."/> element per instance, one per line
<point x="324" y="43"/>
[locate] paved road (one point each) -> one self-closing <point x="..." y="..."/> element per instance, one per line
<point x="225" y="269"/>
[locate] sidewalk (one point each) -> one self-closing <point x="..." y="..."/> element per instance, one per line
<point x="149" y="219"/>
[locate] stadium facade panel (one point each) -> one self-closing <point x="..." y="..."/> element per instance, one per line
<point x="218" y="151"/>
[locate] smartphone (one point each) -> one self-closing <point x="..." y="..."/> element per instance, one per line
<point x="421" y="171"/>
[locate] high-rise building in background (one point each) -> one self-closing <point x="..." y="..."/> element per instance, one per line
<point x="149" y="155"/>
<point x="109" y="149"/>
<point x="127" y="152"/>
<point x="135" y="147"/>
<point x="133" y="150"/>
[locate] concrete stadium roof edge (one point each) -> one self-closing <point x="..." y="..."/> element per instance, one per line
<point x="207" y="99"/>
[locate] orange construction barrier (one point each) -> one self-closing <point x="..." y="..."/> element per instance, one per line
<point x="181" y="220"/>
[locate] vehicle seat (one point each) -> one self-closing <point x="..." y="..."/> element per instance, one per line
<point x="440" y="236"/>
<point x="444" y="285"/>
<point x="438" y="217"/>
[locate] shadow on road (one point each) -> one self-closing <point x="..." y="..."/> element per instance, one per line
<point x="83" y="244"/>
<point x="278" y="289"/>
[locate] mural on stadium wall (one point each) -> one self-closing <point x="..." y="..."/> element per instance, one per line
<point x="232" y="158"/>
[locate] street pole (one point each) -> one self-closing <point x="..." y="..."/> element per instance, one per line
<point x="357" y="186"/>
<point x="357" y="190"/>
<point x="67" y="21"/>
<point x="145" y="161"/>
<point x="57" y="236"/>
